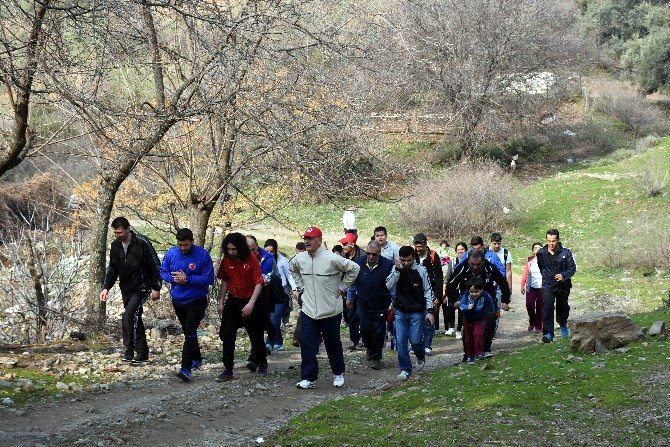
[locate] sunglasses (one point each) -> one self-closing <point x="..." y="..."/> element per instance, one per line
<point x="371" y="254"/>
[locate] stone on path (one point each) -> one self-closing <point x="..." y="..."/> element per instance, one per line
<point x="611" y="329"/>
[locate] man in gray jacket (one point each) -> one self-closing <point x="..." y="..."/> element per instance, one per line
<point x="322" y="277"/>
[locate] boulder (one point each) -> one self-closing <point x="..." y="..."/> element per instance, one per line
<point x="657" y="328"/>
<point x="166" y="326"/>
<point x="610" y="330"/>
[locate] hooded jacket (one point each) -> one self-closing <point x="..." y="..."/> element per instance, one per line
<point x="320" y="277"/>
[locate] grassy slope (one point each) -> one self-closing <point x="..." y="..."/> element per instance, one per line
<point x="530" y="397"/>
<point x="600" y="210"/>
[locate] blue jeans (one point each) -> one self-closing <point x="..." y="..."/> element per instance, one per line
<point x="409" y="326"/>
<point x="373" y="331"/>
<point x="428" y="334"/>
<point x="275" y="319"/>
<point x="312" y="331"/>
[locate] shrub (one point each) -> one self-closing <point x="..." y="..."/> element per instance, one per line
<point x="652" y="181"/>
<point x="466" y="199"/>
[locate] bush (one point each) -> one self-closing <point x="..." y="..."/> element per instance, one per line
<point x="466" y="199"/>
<point x="639" y="115"/>
<point x="652" y="181"/>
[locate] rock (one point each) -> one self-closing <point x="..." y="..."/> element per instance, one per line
<point x="260" y="386"/>
<point x="574" y="359"/>
<point x="155" y="334"/>
<point x="656" y="329"/>
<point x="599" y="348"/>
<point x="7" y="401"/>
<point x="612" y="329"/>
<point x="167" y="327"/>
<point x="77" y="335"/>
<point x="6" y="384"/>
<point x="8" y="362"/>
<point x="621" y="350"/>
<point x="62" y="386"/>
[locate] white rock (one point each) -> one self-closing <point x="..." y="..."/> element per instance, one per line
<point x="62" y="386"/>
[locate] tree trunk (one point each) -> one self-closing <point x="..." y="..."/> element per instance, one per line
<point x="36" y="274"/>
<point x="199" y="219"/>
<point x="98" y="248"/>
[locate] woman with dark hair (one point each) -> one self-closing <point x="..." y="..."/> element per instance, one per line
<point x="531" y="286"/>
<point x="452" y="325"/>
<point x="281" y="310"/>
<point x="242" y="282"/>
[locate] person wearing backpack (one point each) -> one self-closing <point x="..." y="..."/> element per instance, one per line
<point x="429" y="259"/>
<point x="504" y="255"/>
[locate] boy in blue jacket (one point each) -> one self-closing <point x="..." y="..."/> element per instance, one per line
<point x="189" y="270"/>
<point x="476" y="306"/>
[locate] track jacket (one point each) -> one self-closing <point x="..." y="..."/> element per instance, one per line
<point x="138" y="269"/>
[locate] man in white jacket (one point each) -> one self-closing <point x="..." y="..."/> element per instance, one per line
<point x="322" y="278"/>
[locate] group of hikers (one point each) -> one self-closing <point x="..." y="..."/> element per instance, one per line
<point x="381" y="290"/>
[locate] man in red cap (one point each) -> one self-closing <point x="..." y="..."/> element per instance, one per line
<point x="321" y="277"/>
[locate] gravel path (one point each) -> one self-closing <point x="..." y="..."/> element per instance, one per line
<point x="206" y="413"/>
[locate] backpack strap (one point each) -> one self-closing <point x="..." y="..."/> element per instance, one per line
<point x="505" y="253"/>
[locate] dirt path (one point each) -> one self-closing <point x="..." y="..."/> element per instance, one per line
<point x="207" y="413"/>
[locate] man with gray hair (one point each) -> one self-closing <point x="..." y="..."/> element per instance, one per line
<point x="374" y="299"/>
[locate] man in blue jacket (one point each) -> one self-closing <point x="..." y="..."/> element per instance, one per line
<point x="189" y="270"/>
<point x="557" y="266"/>
<point x="373" y="300"/>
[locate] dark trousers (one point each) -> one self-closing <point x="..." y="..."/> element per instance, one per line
<point x="534" y="307"/>
<point x="354" y="324"/>
<point x="489" y="331"/>
<point x="373" y="331"/>
<point x="312" y="331"/>
<point x="190" y="315"/>
<point x="450" y="320"/>
<point x="560" y="298"/>
<point x="474" y="337"/>
<point x="231" y="321"/>
<point x="134" y="337"/>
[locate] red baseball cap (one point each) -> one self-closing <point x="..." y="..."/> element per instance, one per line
<point x="349" y="238"/>
<point x="313" y="232"/>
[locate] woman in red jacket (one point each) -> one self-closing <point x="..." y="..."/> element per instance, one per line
<point x="531" y="286"/>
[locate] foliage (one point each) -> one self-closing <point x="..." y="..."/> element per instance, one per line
<point x="503" y="402"/>
<point x="635" y="34"/>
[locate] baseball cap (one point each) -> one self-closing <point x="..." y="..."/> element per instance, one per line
<point x="349" y="238"/>
<point x="313" y="232"/>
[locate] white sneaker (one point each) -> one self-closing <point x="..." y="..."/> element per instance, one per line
<point x="404" y="375"/>
<point x="428" y="351"/>
<point x="338" y="381"/>
<point x="449" y="331"/>
<point x="305" y="384"/>
<point x="420" y="364"/>
<point x="458" y="335"/>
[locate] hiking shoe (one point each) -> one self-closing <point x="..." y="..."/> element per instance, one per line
<point x="547" y="338"/>
<point x="268" y="346"/>
<point x="564" y="332"/>
<point x="353" y="347"/>
<point x="531" y="328"/>
<point x="376" y="364"/>
<point x="338" y="380"/>
<point x="420" y="364"/>
<point x="140" y="359"/>
<point x="458" y="335"/>
<point x="296" y="342"/>
<point x="278" y="347"/>
<point x="128" y="355"/>
<point x="251" y="366"/>
<point x="487" y="355"/>
<point x="449" y="331"/>
<point x="428" y="351"/>
<point x="479" y="357"/>
<point x="470" y="361"/>
<point x="225" y="376"/>
<point x="184" y="375"/>
<point x="195" y="364"/>
<point x="305" y="384"/>
<point x="465" y="358"/>
<point x="262" y="370"/>
<point x="404" y="375"/>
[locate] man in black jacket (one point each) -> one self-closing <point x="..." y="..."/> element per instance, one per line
<point x="132" y="260"/>
<point x="557" y="266"/>
<point x="431" y="262"/>
<point x="477" y="265"/>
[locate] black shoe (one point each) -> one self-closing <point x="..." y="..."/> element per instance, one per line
<point x="353" y="347"/>
<point x="251" y="366"/>
<point x="376" y="364"/>
<point x="128" y="355"/>
<point x="140" y="359"/>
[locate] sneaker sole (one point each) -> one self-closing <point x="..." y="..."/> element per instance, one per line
<point x="226" y="379"/>
<point x="311" y="387"/>
<point x="183" y="377"/>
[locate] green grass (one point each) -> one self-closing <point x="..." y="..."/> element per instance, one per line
<point x="521" y="398"/>
<point x="44" y="383"/>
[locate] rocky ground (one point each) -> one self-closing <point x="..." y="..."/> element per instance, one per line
<point x="149" y="406"/>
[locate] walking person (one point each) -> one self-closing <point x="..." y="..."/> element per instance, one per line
<point x="531" y="287"/>
<point x="389" y="249"/>
<point x="412" y="307"/>
<point x="287" y="282"/>
<point x="557" y="266"/>
<point x="453" y="319"/>
<point x="477" y="306"/>
<point x="241" y="286"/>
<point x="322" y="278"/>
<point x="429" y="259"/>
<point x="351" y="251"/>
<point x="373" y="301"/>
<point x="134" y="262"/>
<point x="189" y="270"/>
